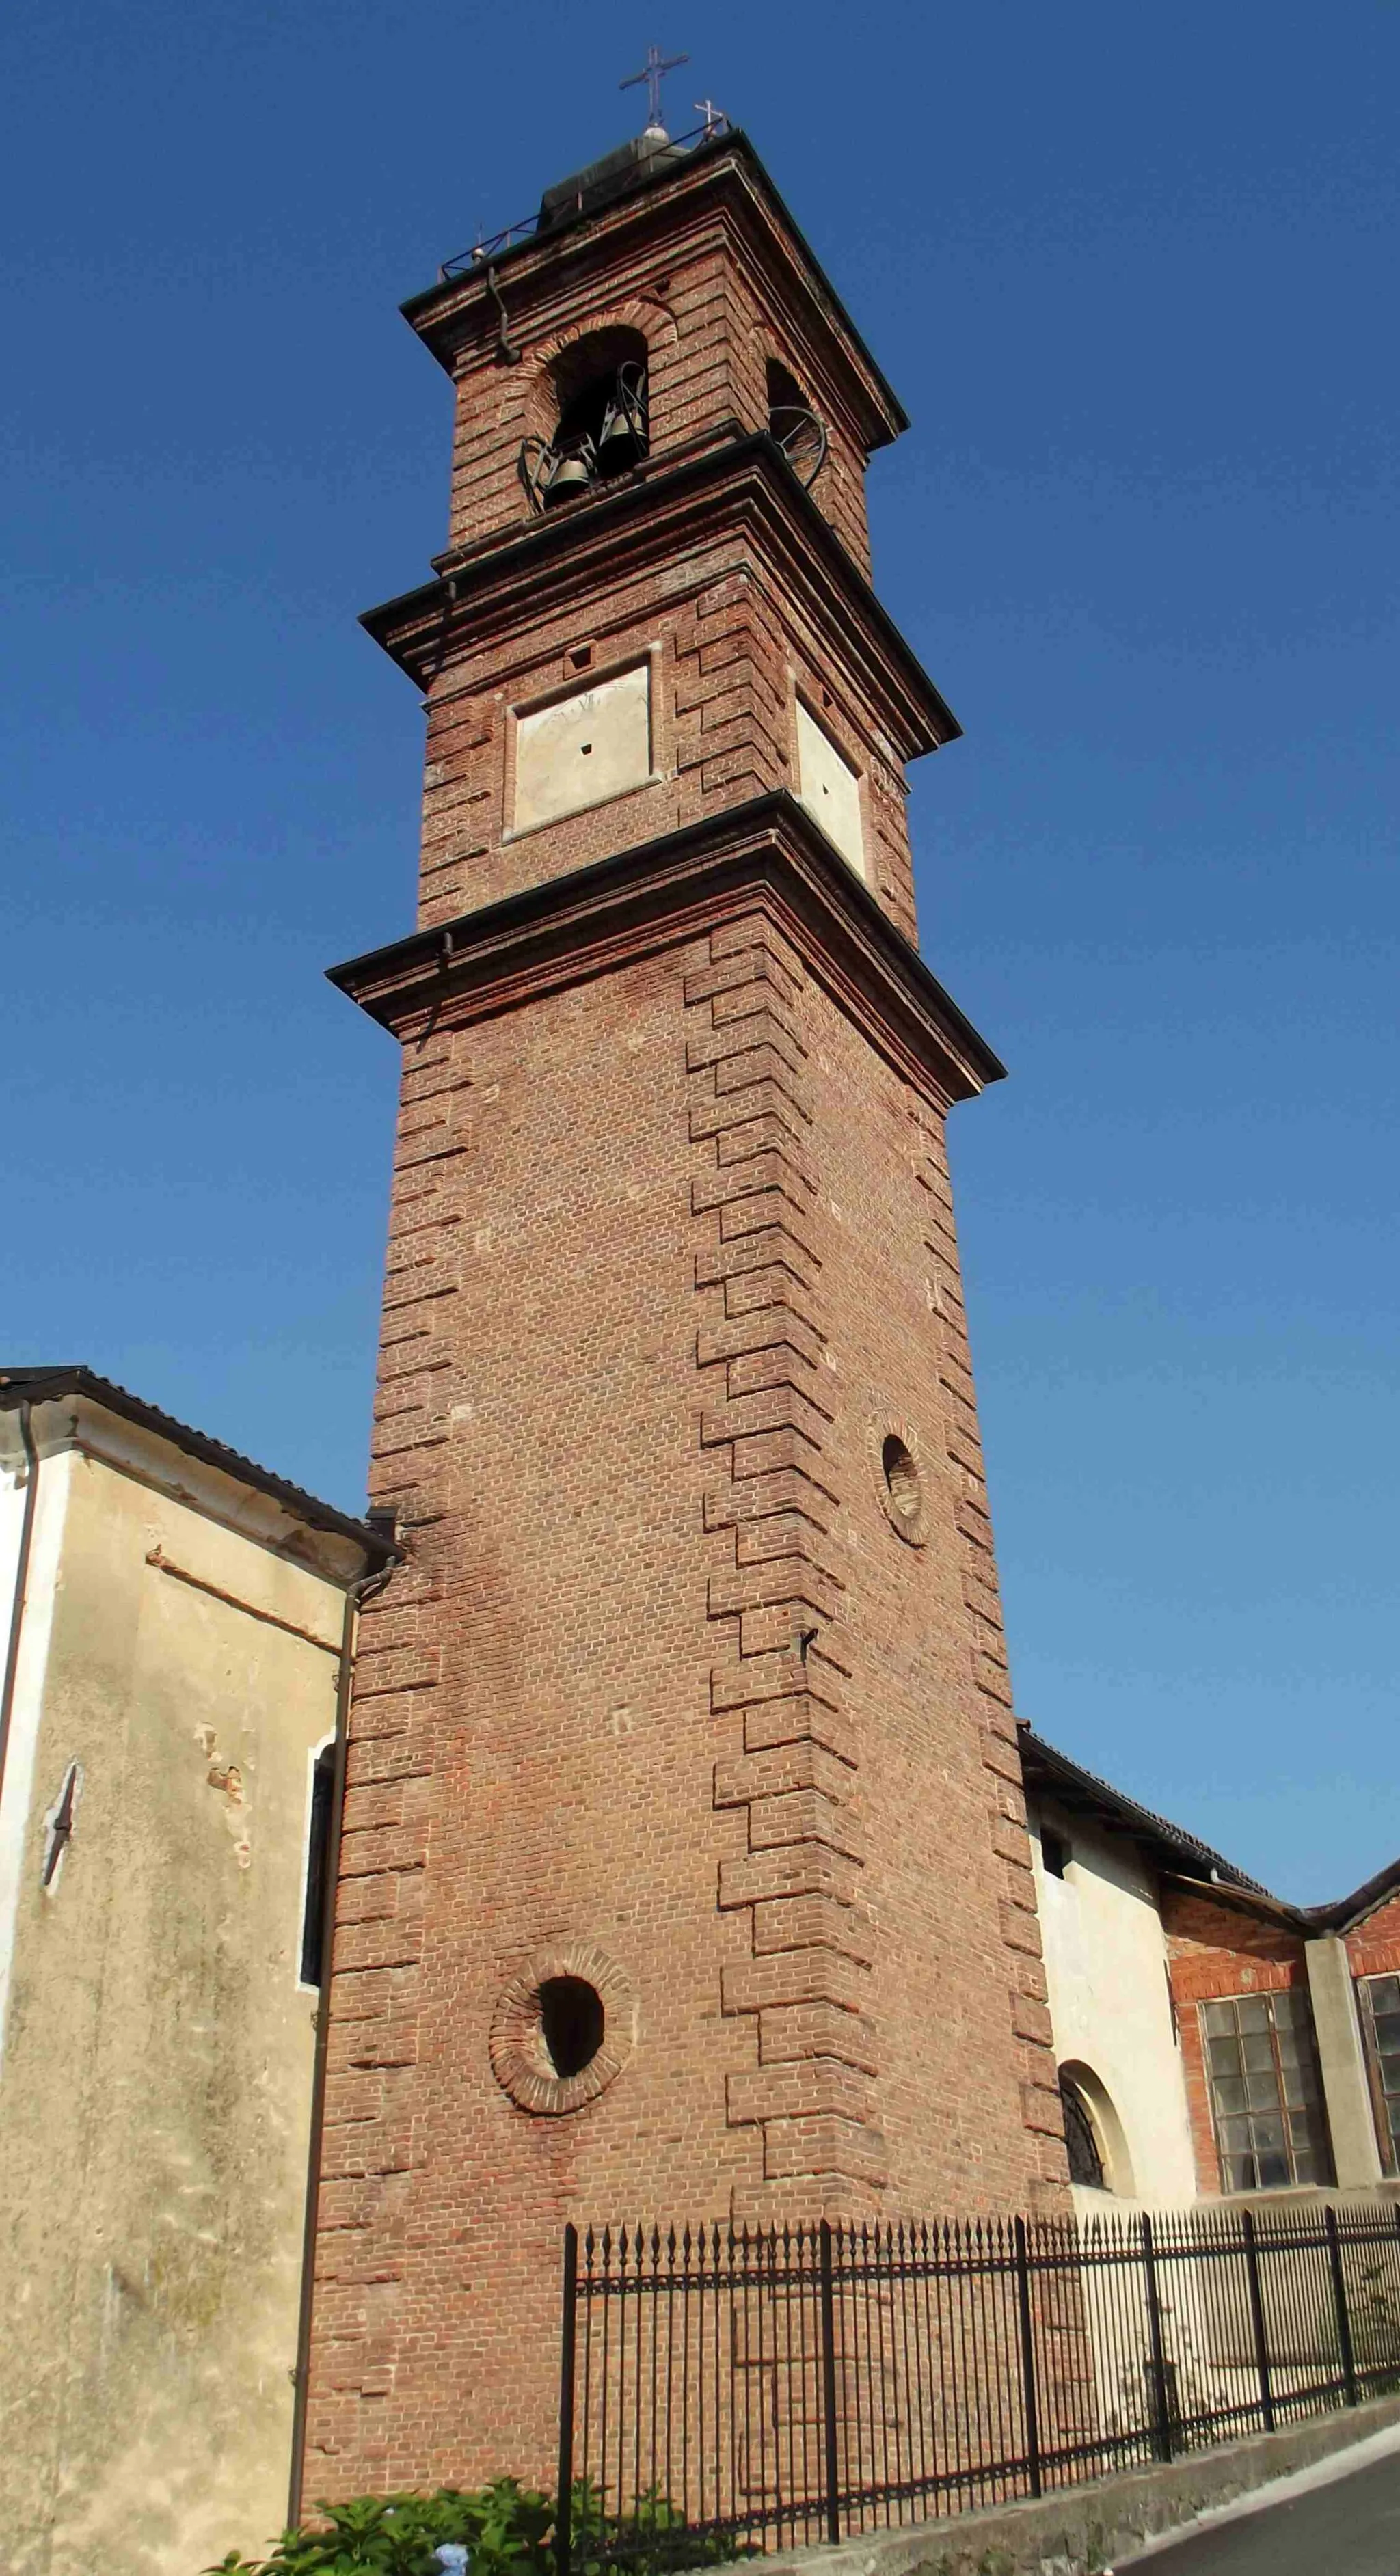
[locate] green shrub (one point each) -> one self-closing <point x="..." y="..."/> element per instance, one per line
<point x="503" y="2525"/>
<point x="509" y="2530"/>
<point x="652" y="2541"/>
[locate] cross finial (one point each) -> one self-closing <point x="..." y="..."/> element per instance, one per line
<point x="654" y="72"/>
<point x="714" y="116"/>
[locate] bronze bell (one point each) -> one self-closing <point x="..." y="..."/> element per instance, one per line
<point x="622" y="440"/>
<point x="618" y="442"/>
<point x="570" y="476"/>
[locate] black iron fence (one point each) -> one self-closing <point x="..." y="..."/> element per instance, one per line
<point x="743" y="2388"/>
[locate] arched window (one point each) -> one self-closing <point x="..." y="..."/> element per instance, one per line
<point x="1099" y="2154"/>
<point x="602" y="419"/>
<point x="1083" y="2134"/>
<point x="1081" y="2138"/>
<point x="794" y="424"/>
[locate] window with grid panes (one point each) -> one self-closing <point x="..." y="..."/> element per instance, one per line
<point x="1266" y="2091"/>
<point x="1380" y="2016"/>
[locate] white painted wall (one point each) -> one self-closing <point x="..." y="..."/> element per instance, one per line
<point x="1105" y="1966"/>
<point x="155" y="2090"/>
<point x="17" y="1790"/>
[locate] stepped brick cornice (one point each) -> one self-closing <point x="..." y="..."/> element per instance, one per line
<point x="767" y="851"/>
<point x="672" y="512"/>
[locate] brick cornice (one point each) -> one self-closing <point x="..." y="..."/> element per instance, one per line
<point x="658" y="516"/>
<point x="766" y="853"/>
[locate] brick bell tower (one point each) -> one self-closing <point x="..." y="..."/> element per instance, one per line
<point x="684" y="1867"/>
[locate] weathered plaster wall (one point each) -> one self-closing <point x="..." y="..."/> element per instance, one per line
<point x="1106" y="1967"/>
<point x="155" y="2087"/>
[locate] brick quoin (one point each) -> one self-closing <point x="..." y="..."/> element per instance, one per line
<point x="663" y="1697"/>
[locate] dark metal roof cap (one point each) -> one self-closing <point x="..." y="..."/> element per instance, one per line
<point x="1346" y="1911"/>
<point x="614" y="176"/>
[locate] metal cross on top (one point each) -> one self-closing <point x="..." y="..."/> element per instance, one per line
<point x="656" y="68"/>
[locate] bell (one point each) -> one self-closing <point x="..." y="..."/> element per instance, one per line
<point x="622" y="440"/>
<point x="570" y="477"/>
<point x="802" y="438"/>
<point x="620" y="443"/>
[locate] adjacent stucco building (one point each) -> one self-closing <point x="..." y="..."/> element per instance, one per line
<point x="174" y="1628"/>
<point x="1213" y="2040"/>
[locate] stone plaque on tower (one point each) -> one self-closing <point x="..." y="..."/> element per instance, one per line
<point x="683" y="1869"/>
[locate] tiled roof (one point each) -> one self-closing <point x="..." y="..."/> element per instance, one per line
<point x="1176" y="1849"/>
<point x="49" y="1385"/>
<point x="1046" y="1766"/>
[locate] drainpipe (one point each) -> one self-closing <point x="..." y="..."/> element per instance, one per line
<point x="356" y="1594"/>
<point x="26" y="1541"/>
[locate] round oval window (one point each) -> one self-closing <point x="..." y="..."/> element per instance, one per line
<point x="563" y="2028"/>
<point x="571" y="2024"/>
<point x="901" y="1477"/>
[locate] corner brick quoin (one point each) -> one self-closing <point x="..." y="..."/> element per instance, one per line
<point x="670" y="1694"/>
<point x="779" y="1676"/>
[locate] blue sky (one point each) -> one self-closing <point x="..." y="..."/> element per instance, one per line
<point x="1133" y="274"/>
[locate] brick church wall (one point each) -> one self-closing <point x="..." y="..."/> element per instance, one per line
<point x="1373" y="1945"/>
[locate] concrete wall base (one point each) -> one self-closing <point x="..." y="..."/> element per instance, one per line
<point x="1085" y="2531"/>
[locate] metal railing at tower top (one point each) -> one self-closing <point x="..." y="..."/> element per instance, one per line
<point x="464" y="262"/>
<point x="727" y="2389"/>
